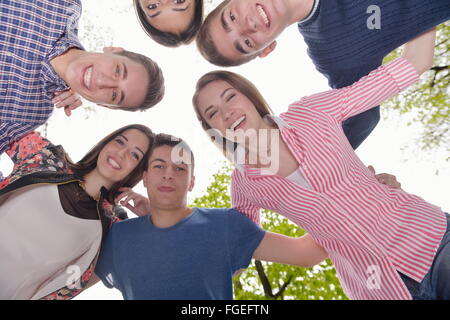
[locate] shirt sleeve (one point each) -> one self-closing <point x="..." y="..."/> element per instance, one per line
<point x="105" y="269"/>
<point x="240" y="202"/>
<point x="244" y="236"/>
<point x="381" y="84"/>
<point x="11" y="132"/>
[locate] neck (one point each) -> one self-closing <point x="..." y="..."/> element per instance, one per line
<point x="93" y="182"/>
<point x="300" y="9"/>
<point x="266" y="147"/>
<point x="61" y="62"/>
<point x="165" y="218"/>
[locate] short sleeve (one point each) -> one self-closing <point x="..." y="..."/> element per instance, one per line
<point x="244" y="236"/>
<point x="105" y="268"/>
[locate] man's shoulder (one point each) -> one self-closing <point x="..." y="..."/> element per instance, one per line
<point x="127" y="225"/>
<point x="217" y="212"/>
<point x="223" y="215"/>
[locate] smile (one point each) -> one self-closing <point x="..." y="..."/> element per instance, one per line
<point x="87" y="77"/>
<point x="237" y="123"/>
<point x="114" y="164"/>
<point x="263" y="15"/>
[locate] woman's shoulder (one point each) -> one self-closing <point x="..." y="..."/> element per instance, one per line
<point x="34" y="153"/>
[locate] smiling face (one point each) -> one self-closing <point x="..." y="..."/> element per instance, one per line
<point x="228" y="110"/>
<point x="168" y="178"/>
<point x="172" y="16"/>
<point x="120" y="156"/>
<point x="108" y="79"/>
<point x="245" y="28"/>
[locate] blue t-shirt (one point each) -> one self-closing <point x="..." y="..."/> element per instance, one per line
<point x="194" y="259"/>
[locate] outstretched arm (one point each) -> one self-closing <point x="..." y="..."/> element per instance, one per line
<point x="420" y="51"/>
<point x="302" y="252"/>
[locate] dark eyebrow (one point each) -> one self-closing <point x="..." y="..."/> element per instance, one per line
<point x="155" y="15"/>
<point x="161" y="160"/>
<point x="126" y="139"/>
<point x="225" y="25"/>
<point x="239" y="48"/>
<point x="122" y="93"/>
<point x="143" y="154"/>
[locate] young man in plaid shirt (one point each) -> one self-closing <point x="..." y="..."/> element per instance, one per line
<point x="41" y="56"/>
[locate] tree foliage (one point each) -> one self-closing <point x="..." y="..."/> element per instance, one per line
<point x="264" y="280"/>
<point x="428" y="101"/>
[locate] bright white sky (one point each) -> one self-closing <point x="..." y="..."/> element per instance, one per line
<point x="285" y="76"/>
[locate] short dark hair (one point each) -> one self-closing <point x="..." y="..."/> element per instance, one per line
<point x="163" y="139"/>
<point x="155" y="87"/>
<point x="170" y="39"/>
<point x="207" y="48"/>
<point x="89" y="161"/>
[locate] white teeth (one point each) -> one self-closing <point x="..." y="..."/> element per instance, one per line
<point x="237" y="122"/>
<point x="113" y="163"/>
<point x="263" y="15"/>
<point x="87" y="77"/>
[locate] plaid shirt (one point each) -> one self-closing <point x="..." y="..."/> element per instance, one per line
<point x="32" y="33"/>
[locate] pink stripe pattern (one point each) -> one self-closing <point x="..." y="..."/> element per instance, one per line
<point x="371" y="231"/>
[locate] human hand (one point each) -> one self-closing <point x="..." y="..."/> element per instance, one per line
<point x="140" y="206"/>
<point x="69" y="100"/>
<point x="385" y="178"/>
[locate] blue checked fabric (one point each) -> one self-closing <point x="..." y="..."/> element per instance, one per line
<point x="32" y="32"/>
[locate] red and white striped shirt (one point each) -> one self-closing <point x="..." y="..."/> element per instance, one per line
<point x="371" y="231"/>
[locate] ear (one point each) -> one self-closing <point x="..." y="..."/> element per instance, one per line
<point x="267" y="50"/>
<point x="191" y="186"/>
<point x="113" y="49"/>
<point x="144" y="179"/>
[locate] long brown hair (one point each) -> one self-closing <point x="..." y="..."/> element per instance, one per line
<point x="89" y="161"/>
<point x="242" y="85"/>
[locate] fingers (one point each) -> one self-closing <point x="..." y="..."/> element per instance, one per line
<point x="371" y="169"/>
<point x="69" y="100"/>
<point x="68" y="109"/>
<point x="389" y="180"/>
<point x="125" y="193"/>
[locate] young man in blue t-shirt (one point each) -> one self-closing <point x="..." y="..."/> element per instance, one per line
<point x="176" y="252"/>
<point x="346" y="39"/>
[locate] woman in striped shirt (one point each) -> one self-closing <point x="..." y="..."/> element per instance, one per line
<point x="301" y="165"/>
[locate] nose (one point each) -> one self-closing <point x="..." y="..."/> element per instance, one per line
<point x="168" y="174"/>
<point x="227" y="112"/>
<point x="122" y="152"/>
<point x="104" y="80"/>
<point x="250" y="25"/>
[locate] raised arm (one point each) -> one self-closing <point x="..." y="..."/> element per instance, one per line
<point x="420" y="51"/>
<point x="302" y="252"/>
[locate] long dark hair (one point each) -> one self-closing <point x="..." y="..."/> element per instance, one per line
<point x="89" y="161"/>
<point x="170" y="39"/>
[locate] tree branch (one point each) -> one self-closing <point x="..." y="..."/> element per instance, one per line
<point x="264" y="281"/>
<point x="266" y="284"/>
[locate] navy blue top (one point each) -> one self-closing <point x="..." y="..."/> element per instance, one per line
<point x="194" y="259"/>
<point x="344" y="48"/>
